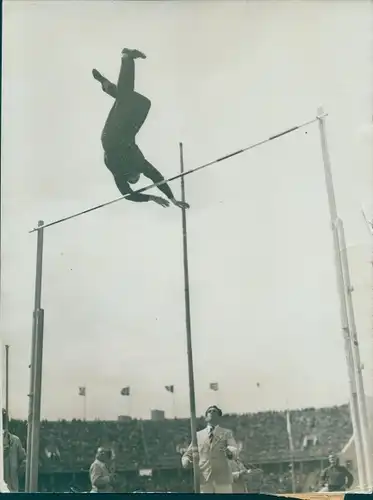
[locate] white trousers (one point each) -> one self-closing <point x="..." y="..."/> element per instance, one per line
<point x="212" y="487"/>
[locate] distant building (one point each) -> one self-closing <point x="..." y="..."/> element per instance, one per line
<point x="157" y="415"/>
<point x="124" y="418"/>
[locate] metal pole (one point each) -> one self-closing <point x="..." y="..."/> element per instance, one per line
<point x="354" y="409"/>
<point x="35" y="372"/>
<point x="35" y="437"/>
<point x="367" y="443"/>
<point x="192" y="398"/>
<point x="3" y="486"/>
<point x="30" y="409"/>
<point x="7" y="380"/>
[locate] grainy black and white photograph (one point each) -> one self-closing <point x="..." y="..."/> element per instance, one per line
<point x="187" y="247"/>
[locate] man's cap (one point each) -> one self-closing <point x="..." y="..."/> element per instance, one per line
<point x="214" y="407"/>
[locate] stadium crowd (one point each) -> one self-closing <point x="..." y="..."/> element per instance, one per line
<point x="68" y="447"/>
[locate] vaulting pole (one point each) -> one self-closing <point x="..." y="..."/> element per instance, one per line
<point x="188" y="327"/>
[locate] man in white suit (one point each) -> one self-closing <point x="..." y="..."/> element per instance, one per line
<point x="216" y="447"/>
<point x="99" y="472"/>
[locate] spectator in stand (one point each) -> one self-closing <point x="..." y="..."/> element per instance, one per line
<point x="14" y="456"/>
<point x="99" y="472"/>
<point x="152" y="444"/>
<point x="52" y="452"/>
<point x="336" y="477"/>
<point x="216" y="447"/>
<point x="240" y="476"/>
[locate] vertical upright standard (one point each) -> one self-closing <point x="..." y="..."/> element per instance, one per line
<point x="192" y="398"/>
<point x="3" y="486"/>
<point x="7" y="380"/>
<point x="363" y="410"/>
<point x="351" y="371"/>
<point x="33" y="430"/>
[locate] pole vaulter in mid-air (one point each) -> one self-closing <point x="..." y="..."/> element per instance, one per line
<point x="122" y="155"/>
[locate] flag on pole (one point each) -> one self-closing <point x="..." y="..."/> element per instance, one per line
<point x="289" y="431"/>
<point x="170" y="388"/>
<point x="125" y="391"/>
<point x="82" y="391"/>
<point x="214" y="386"/>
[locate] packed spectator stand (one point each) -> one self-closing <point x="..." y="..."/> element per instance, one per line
<point x="67" y="449"/>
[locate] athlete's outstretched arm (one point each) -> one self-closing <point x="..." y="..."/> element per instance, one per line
<point x="155" y="176"/>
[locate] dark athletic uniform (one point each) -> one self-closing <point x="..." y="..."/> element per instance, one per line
<point x="130" y="109"/>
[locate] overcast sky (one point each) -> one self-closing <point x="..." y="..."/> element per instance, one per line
<point x="221" y="76"/>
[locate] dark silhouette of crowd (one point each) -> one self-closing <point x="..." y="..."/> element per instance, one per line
<point x="70" y="446"/>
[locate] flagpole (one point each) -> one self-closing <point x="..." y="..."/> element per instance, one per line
<point x="291" y="447"/>
<point x="214" y="387"/>
<point x="192" y="397"/>
<point x="127" y="393"/>
<point x="173" y="405"/>
<point x="85" y="405"/>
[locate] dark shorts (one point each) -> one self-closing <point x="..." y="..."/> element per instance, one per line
<point x="125" y="119"/>
<point x="125" y="160"/>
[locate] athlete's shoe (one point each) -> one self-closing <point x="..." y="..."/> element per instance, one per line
<point x="97" y="76"/>
<point x="134" y="53"/>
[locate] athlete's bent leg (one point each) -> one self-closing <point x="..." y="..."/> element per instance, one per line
<point x="130" y="109"/>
